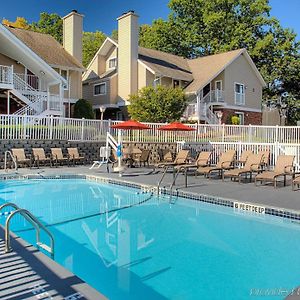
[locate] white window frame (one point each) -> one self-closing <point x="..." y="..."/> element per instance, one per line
<point x="219" y="92"/>
<point x="97" y="84"/>
<point x="242" y="95"/>
<point x="66" y="87"/>
<point x="110" y="59"/>
<point x="241" y="116"/>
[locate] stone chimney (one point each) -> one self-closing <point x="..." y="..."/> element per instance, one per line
<point x="128" y="36"/>
<point x="72" y="34"/>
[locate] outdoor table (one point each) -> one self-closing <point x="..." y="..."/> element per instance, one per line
<point x="130" y="153"/>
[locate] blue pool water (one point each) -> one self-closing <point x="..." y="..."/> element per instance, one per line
<point x="158" y="250"/>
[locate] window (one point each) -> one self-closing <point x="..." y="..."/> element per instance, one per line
<point x="239" y="93"/>
<point x="100" y="89"/>
<point x="175" y="83"/>
<point x="112" y="63"/>
<point x="218" y="91"/>
<point x="241" y="117"/>
<point x="157" y="81"/>
<point x="64" y="74"/>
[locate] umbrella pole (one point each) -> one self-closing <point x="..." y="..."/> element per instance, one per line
<point x="120" y="157"/>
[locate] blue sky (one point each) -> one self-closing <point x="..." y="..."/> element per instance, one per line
<point x="101" y="15"/>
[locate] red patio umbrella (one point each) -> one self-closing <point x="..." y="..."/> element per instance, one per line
<point x="176" y="126"/>
<point x="131" y="125"/>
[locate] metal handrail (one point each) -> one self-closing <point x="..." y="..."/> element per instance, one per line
<point x="15" y="206"/>
<point x="36" y="224"/>
<point x="13" y="159"/>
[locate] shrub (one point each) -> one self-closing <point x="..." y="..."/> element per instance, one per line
<point x="83" y="109"/>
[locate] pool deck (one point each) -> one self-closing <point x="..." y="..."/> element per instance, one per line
<point x="27" y="273"/>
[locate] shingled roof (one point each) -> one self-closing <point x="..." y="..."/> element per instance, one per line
<point x="165" y="64"/>
<point x="45" y="46"/>
<point x="205" y="68"/>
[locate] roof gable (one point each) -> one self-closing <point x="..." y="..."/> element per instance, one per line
<point x="45" y="46"/>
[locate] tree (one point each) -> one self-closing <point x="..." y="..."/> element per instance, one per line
<point x="200" y="27"/>
<point x="51" y="24"/>
<point x="19" y="23"/>
<point x="91" y="43"/>
<point x="160" y="104"/>
<point x="83" y="109"/>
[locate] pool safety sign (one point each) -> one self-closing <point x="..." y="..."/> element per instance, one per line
<point x="251" y="208"/>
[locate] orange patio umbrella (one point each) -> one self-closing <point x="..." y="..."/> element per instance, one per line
<point x="131" y="125"/>
<point x="176" y="126"/>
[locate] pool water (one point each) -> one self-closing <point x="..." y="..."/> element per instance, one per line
<point x="158" y="250"/>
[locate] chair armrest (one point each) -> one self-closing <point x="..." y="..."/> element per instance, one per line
<point x="257" y="165"/>
<point x="224" y="162"/>
<point x="291" y="169"/>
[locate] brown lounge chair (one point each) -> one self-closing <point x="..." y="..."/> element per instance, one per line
<point x="296" y="183"/>
<point x="74" y="156"/>
<point x="57" y="156"/>
<point x="283" y="167"/>
<point x="165" y="156"/>
<point x="253" y="164"/>
<point x="225" y="163"/>
<point x="201" y="161"/>
<point x="266" y="159"/>
<point x="143" y="158"/>
<point x="20" y="157"/>
<point x="180" y="159"/>
<point x="243" y="158"/>
<point x="40" y="157"/>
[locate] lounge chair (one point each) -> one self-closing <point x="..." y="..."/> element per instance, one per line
<point x="40" y="157"/>
<point x="143" y="158"/>
<point x="74" y="155"/>
<point x="283" y="167"/>
<point x="165" y="156"/>
<point x="243" y="158"/>
<point x="20" y="157"/>
<point x="253" y="164"/>
<point x="180" y="159"/>
<point x="266" y="158"/>
<point x="296" y="183"/>
<point x="57" y="156"/>
<point x="225" y="163"/>
<point x="201" y="161"/>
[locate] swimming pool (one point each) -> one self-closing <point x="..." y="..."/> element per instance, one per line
<point x="158" y="250"/>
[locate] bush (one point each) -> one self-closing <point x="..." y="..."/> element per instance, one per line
<point x="235" y="120"/>
<point x="83" y="109"/>
<point x="159" y="105"/>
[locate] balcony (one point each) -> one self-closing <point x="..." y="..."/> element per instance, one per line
<point x="214" y="96"/>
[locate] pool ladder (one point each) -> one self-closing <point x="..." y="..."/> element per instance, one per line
<point x="34" y="222"/>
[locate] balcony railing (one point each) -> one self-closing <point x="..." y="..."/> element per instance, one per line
<point x="6" y="74"/>
<point x="214" y="96"/>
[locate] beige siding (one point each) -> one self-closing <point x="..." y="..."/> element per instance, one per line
<point x="75" y="85"/>
<point x="167" y="81"/>
<point x="114" y="89"/>
<point x="112" y="54"/>
<point x="142" y="79"/>
<point x="6" y="61"/>
<point x="241" y="72"/>
<point x="218" y="78"/>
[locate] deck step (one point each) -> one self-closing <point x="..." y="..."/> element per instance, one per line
<point x="45" y="247"/>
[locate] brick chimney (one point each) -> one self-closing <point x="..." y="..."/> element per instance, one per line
<point x="72" y="34"/>
<point x="128" y="36"/>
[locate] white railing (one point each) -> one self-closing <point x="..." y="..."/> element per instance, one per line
<point x="214" y="96"/>
<point x="6" y="74"/>
<point x="32" y="80"/>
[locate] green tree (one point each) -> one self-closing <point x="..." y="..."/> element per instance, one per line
<point x="19" y="23"/>
<point x="160" y="104"/>
<point x="91" y="42"/>
<point x="83" y="109"/>
<point x="51" y="24"/>
<point x="200" y="27"/>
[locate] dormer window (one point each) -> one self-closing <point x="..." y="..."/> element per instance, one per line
<point x="175" y="83"/>
<point x="112" y="63"/>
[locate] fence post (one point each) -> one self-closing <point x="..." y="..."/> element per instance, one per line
<point x="109" y="126"/>
<point x="249" y="133"/>
<point x="223" y="132"/>
<point x="276" y="134"/>
<point x="82" y="128"/>
<point x="51" y="128"/>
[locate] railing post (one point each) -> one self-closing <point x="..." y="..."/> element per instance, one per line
<point x="51" y="128"/>
<point x="82" y="128"/>
<point x="109" y="126"/>
<point x="249" y="133"/>
<point x="11" y="75"/>
<point x="223" y="132"/>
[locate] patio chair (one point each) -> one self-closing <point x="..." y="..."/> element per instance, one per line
<point x="201" y="161"/>
<point x="57" y="156"/>
<point x="180" y="159"/>
<point x="20" y="157"/>
<point x="296" y="183"/>
<point x="266" y="158"/>
<point x="243" y="158"/>
<point x="225" y="163"/>
<point x="40" y="157"/>
<point x="283" y="167"/>
<point x="253" y="164"/>
<point x="143" y="158"/>
<point x="74" y="156"/>
<point x="165" y="155"/>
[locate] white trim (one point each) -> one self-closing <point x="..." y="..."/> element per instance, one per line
<point x="97" y="53"/>
<point x="235" y="93"/>
<point x="97" y="106"/>
<point x="68" y="68"/>
<point x="116" y="60"/>
<point x="27" y="51"/>
<point x="147" y="67"/>
<point x="65" y="86"/>
<point x="100" y="83"/>
<point x="221" y="85"/>
<point x="239" y="108"/>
